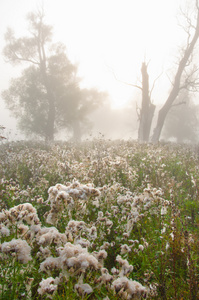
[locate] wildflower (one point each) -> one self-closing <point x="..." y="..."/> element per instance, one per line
<point x="75" y="226"/>
<point x="50" y="264"/>
<point x="114" y="271"/>
<point x="100" y="214"/>
<point x="125" y="249"/>
<point x="125" y="234"/>
<point x="141" y="247"/>
<point x="105" y="245"/>
<point x="48" y="287"/>
<point x="108" y="214"/>
<point x="24" y="212"/>
<point x="28" y="285"/>
<point x="19" y="247"/>
<point x="4" y="230"/>
<point x="93" y="233"/>
<point x="109" y="223"/>
<point x="34" y="230"/>
<point x="163" y="230"/>
<point x="153" y="289"/>
<point x="83" y="289"/>
<point x="49" y="235"/>
<point x="128" y="288"/>
<point x="105" y="277"/>
<point x="52" y="192"/>
<point x="83" y="242"/>
<point x="75" y="258"/>
<point x="44" y="252"/>
<point x="51" y="217"/>
<point x="163" y="210"/>
<point x="22" y="229"/>
<point x="167" y="246"/>
<point x="101" y="256"/>
<point x="40" y="200"/>
<point x="87" y="260"/>
<point x="126" y="268"/>
<point x="73" y="262"/>
<point x="96" y="203"/>
<point x="2" y="216"/>
<point x="172" y="236"/>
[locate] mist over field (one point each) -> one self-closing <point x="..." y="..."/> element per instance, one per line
<point x="99" y="220"/>
<point x="118" y="85"/>
<point x="99" y="149"/>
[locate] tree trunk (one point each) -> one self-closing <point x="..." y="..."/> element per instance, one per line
<point x="147" y="108"/>
<point x="163" y="113"/>
<point x="76" y="131"/>
<point x="50" y="123"/>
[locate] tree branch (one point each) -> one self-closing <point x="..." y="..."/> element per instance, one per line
<point x="154" y="82"/>
<point x="178" y="104"/>
<point x="124" y="82"/>
<point x="24" y="59"/>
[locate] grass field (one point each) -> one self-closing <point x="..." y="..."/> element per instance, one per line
<point x="99" y="220"/>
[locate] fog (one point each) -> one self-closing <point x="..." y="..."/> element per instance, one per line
<point x="105" y="40"/>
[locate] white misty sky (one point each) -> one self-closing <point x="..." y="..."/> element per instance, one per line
<point x="103" y="36"/>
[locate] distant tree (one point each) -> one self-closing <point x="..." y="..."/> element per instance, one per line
<point x="186" y="77"/>
<point x="47" y="96"/>
<point x="146" y="112"/>
<point x="1" y="136"/>
<point x="182" y="121"/>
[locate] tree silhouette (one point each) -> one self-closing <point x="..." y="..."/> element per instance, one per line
<point x="189" y="79"/>
<point x="47" y="96"/>
<point x="185" y="78"/>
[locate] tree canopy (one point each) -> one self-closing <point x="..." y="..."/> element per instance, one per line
<point x="182" y="121"/>
<point x="46" y="97"/>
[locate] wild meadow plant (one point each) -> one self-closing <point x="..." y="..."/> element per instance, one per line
<point x="100" y="220"/>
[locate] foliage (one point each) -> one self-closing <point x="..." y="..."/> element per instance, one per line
<point x="182" y="121"/>
<point x="47" y="96"/>
<point x="100" y="220"/>
<point x="1" y="136"/>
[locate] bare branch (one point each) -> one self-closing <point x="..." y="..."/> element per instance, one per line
<point x="23" y="59"/>
<point x="124" y="82"/>
<point x="154" y="82"/>
<point x="191" y="82"/>
<point x="178" y="104"/>
<point x="185" y="60"/>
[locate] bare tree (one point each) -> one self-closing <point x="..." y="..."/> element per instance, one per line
<point x="185" y="78"/>
<point x="147" y="107"/>
<point x="146" y="111"/>
<point x="192" y="31"/>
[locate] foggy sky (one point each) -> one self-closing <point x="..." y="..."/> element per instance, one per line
<point x="102" y="37"/>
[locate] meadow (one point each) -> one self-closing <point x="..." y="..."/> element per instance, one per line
<point x="99" y="220"/>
